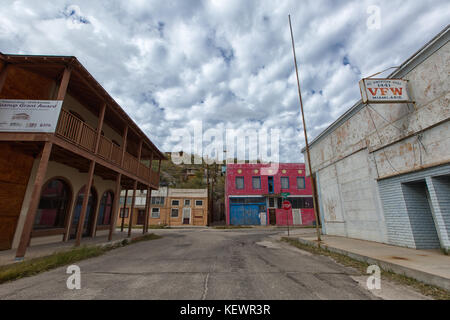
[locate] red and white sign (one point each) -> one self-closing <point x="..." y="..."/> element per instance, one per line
<point x="384" y="90"/>
<point x="29" y="115"/>
<point x="287" y="205"/>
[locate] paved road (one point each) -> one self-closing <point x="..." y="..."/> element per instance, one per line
<point x="203" y="264"/>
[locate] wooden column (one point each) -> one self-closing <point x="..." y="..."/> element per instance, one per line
<point x="64" y="83"/>
<point x="97" y="143"/>
<point x="87" y="192"/>
<point x="34" y="202"/>
<point x="130" y="222"/>
<point x="124" y="145"/>
<point x="124" y="210"/>
<point x="116" y="207"/>
<point x="101" y="117"/>
<point x="147" y="209"/>
<point x="3" y="75"/>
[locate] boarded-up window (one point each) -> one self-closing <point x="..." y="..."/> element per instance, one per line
<point x="174" y="213"/>
<point x="155" y="212"/>
<point x="300" y="182"/>
<point x="284" y="182"/>
<point x="256" y="182"/>
<point x="239" y="183"/>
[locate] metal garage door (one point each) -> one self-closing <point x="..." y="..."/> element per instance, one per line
<point x="244" y="214"/>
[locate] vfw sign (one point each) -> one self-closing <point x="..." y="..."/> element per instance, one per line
<point x="29" y="115"/>
<point x="384" y="90"/>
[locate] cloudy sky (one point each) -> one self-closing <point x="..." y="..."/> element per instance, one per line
<point x="225" y="63"/>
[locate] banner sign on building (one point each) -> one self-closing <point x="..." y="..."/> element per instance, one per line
<point x="29" y="115"/>
<point x="384" y="90"/>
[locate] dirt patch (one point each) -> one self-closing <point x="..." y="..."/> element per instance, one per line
<point x="399" y="258"/>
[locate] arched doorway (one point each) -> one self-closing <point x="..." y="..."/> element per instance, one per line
<point x="53" y="205"/>
<point x="105" y="209"/>
<point x="90" y="213"/>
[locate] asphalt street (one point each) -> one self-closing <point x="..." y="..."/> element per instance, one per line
<point x="209" y="264"/>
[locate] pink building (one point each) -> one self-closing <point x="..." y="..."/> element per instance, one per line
<point x="253" y="194"/>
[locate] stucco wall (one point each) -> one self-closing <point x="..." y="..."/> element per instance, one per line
<point x="76" y="180"/>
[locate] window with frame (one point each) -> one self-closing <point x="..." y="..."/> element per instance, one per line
<point x="256" y="182"/>
<point x="300" y="182"/>
<point x="174" y="213"/>
<point x="175" y="202"/>
<point x="284" y="182"/>
<point x="187" y="202"/>
<point x="122" y="212"/>
<point x="105" y="209"/>
<point x="199" y="203"/>
<point x="239" y="183"/>
<point x="158" y="200"/>
<point x="53" y="205"/>
<point x="155" y="212"/>
<point x="271" y="202"/>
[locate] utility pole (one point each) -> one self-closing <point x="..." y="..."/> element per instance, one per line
<point x="313" y="187"/>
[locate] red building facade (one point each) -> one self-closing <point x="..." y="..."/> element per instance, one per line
<point x="253" y="194"/>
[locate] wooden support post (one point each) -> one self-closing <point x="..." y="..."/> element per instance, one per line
<point x="124" y="211"/>
<point x="34" y="202"/>
<point x="139" y="157"/>
<point x="116" y="207"/>
<point x="64" y="84"/>
<point x="87" y="192"/>
<point x="3" y="75"/>
<point x="124" y="145"/>
<point x="130" y="222"/>
<point x="147" y="209"/>
<point x="99" y="127"/>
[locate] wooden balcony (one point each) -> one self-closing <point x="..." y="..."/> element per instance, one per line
<point x="84" y="136"/>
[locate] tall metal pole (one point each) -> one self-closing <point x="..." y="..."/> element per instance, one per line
<point x="313" y="186"/>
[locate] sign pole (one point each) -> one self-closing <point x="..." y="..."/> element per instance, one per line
<point x="313" y="187"/>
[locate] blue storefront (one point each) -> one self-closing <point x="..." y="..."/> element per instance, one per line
<point x="246" y="210"/>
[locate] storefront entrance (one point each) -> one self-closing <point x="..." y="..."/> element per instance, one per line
<point x="90" y="213"/>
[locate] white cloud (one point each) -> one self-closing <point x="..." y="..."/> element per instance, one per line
<point x="171" y="64"/>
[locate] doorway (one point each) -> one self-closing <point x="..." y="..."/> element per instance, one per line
<point x="420" y="216"/>
<point x="272" y="217"/>
<point x="141" y="218"/>
<point x="186" y="215"/>
<point x="90" y="213"/>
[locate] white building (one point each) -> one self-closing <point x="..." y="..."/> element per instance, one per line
<point x="383" y="171"/>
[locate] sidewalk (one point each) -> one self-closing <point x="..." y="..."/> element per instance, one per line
<point x="8" y="256"/>
<point x="428" y="266"/>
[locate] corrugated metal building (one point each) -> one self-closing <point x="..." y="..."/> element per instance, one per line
<point x="383" y="171"/>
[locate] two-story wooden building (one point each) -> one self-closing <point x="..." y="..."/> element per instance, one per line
<point x="62" y="134"/>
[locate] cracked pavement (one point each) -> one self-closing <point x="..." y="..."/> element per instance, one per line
<point x="205" y="264"/>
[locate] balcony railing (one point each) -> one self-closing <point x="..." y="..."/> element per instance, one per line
<point x="81" y="134"/>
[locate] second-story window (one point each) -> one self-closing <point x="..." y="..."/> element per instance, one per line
<point x="300" y="182"/>
<point x="175" y="203"/>
<point x="239" y="183"/>
<point x="256" y="182"/>
<point x="284" y="182"/>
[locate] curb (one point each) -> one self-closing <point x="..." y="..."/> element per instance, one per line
<point x="427" y="278"/>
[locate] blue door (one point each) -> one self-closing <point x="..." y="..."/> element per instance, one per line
<point x="244" y="214"/>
